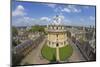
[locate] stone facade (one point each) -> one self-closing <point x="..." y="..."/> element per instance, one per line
<point x="57" y="36"/>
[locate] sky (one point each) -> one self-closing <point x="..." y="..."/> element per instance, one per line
<point x="35" y="13"/>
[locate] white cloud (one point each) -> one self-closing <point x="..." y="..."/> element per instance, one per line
<point x="58" y="10"/>
<point x="92" y="18"/>
<point x="23" y="21"/>
<point x="66" y="10"/>
<point x="71" y="8"/>
<point x="28" y="21"/>
<point x="45" y="18"/>
<point x="19" y="11"/>
<point x="62" y="17"/>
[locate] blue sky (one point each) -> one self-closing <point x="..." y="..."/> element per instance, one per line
<point x="30" y="13"/>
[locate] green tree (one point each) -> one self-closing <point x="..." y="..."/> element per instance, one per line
<point x="14" y="31"/>
<point x="14" y="43"/>
<point x="37" y="28"/>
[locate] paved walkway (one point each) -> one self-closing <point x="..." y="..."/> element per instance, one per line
<point x="35" y="57"/>
<point x="76" y="56"/>
<point x="57" y="54"/>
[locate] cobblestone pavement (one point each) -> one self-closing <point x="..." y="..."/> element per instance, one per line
<point x="35" y="57"/>
<point x="76" y="56"/>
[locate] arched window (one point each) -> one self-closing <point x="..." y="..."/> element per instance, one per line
<point x="57" y="28"/>
<point x="57" y="44"/>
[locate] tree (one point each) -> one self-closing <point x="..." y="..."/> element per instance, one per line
<point x="14" y="31"/>
<point x="15" y="42"/>
<point x="37" y="28"/>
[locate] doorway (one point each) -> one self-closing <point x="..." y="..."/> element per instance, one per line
<point x="57" y="44"/>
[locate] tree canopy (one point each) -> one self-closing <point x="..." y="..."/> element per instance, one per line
<point x="37" y="29"/>
<point x="14" y="31"/>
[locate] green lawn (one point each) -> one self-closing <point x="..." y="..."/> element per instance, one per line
<point x="48" y="52"/>
<point x="65" y="52"/>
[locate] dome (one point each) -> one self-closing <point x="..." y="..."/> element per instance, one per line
<point x="56" y="20"/>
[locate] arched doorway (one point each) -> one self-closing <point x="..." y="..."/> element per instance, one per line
<point x="57" y="44"/>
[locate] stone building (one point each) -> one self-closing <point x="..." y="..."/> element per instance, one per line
<point x="57" y="36"/>
<point x="88" y="47"/>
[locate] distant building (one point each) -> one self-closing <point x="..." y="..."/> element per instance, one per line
<point x="88" y="46"/>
